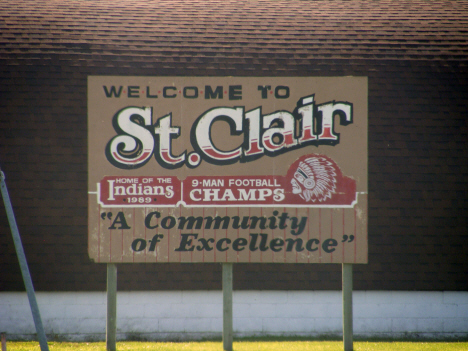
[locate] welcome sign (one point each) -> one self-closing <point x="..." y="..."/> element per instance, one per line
<point x="227" y="169"/>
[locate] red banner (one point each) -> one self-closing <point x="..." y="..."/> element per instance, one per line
<point x="312" y="180"/>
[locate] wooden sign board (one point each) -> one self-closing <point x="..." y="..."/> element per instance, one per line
<point x="227" y="169"/>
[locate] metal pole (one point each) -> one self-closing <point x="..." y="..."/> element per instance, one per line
<point x="24" y="266"/>
<point x="347" y="306"/>
<point x="227" y="306"/>
<point x="111" y="322"/>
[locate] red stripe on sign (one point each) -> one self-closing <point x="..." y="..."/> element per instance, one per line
<point x="297" y="219"/>
<point x="355" y="236"/>
<point x="284" y="237"/>
<point x="226" y="231"/>
<point x="250" y="257"/>
<point x="168" y="245"/>
<point x="203" y="233"/>
<point x="110" y="241"/>
<point x="238" y="233"/>
<point x="320" y="235"/>
<point x="261" y="253"/>
<point x="146" y="239"/>
<point x="331" y="232"/>
<point x="308" y="231"/>
<point x="191" y="231"/>
<point x="216" y="155"/>
<point x="343" y="235"/>
<point x="133" y="236"/>
<point x="214" y="231"/>
<point x="180" y="233"/>
<point x="99" y="237"/>
<point x="122" y="245"/>
<point x="144" y="155"/>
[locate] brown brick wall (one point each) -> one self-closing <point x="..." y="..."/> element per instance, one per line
<point x="418" y="154"/>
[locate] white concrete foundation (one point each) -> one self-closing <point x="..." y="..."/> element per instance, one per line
<point x="177" y="315"/>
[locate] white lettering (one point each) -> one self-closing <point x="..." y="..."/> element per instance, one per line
<point x="135" y="146"/>
<point x="244" y="196"/>
<point x="111" y="190"/>
<point x="203" y="131"/>
<point x="210" y="194"/>
<point x="264" y="193"/>
<point x="137" y="140"/>
<point x="278" y="195"/>
<point x="192" y="194"/>
<point x="169" y="191"/>
<point x="228" y="195"/>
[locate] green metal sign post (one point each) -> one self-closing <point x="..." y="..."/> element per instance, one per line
<point x="111" y="321"/>
<point x="347" y="306"/>
<point x="227" y="307"/>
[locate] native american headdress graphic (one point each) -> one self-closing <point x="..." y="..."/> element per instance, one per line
<point x="315" y="178"/>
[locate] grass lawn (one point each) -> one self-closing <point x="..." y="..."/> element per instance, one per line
<point x="245" y="346"/>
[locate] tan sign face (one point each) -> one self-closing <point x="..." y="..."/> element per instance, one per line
<point x="227" y="169"/>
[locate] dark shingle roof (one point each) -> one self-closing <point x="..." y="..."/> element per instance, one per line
<point x="233" y="30"/>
